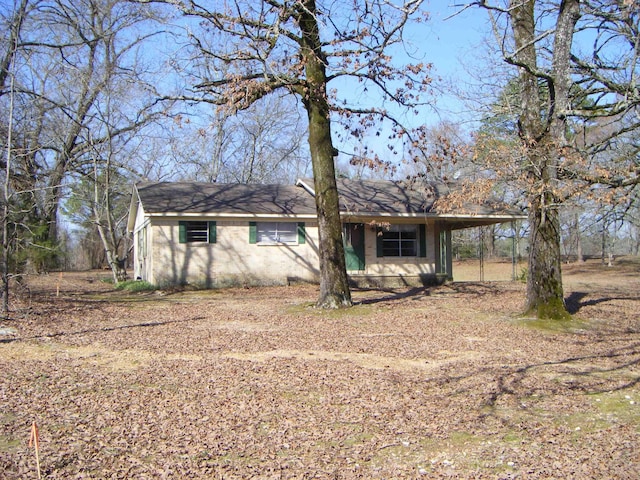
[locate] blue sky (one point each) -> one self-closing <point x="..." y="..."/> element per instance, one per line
<point x="449" y="36"/>
<point x="447" y="42"/>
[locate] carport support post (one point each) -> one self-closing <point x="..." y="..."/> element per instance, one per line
<point x="481" y="254"/>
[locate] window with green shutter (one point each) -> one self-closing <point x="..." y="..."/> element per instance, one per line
<point x="196" y="232"/>
<point x="277" y="233"/>
<point x="401" y="241"/>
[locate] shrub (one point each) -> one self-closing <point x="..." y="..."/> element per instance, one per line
<point x="135" y="286"/>
<point x="524" y="271"/>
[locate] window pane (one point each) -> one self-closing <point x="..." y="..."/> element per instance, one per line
<point x="277" y="232"/>
<point x="400" y="241"/>
<point x="390" y="250"/>
<point x="197" y="231"/>
<point x="408" y="248"/>
<point x="267" y="233"/>
<point x="288" y="232"/>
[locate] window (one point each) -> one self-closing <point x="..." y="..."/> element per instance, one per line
<point x="197" y="232"/>
<point x="277" y="232"/>
<point x="272" y="233"/>
<point x="402" y="241"/>
<point x="142" y="243"/>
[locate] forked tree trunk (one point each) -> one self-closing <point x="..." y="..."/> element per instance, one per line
<point x="542" y="130"/>
<point x="106" y="229"/>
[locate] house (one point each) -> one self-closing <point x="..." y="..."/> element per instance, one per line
<point x="212" y="234"/>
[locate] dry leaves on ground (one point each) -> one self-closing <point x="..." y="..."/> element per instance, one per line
<point x="255" y="383"/>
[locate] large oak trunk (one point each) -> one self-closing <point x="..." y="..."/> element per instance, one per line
<point x="542" y="126"/>
<point x="545" y="295"/>
<point x="334" y="284"/>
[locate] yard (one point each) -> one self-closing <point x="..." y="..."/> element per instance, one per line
<point x="446" y="382"/>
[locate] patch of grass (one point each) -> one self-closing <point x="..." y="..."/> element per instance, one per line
<point x="571" y="325"/>
<point x="622" y="406"/>
<point x="582" y="422"/>
<point x="357" y="439"/>
<point x="459" y="439"/>
<point x="457" y="451"/>
<point x="511" y="437"/>
<point x="8" y="443"/>
<point x="135" y="286"/>
<point x="310" y="308"/>
<point x="522" y="276"/>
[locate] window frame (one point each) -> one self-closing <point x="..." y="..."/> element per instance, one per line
<point x="206" y="233"/>
<point x="419" y="242"/>
<point x="295" y="233"/>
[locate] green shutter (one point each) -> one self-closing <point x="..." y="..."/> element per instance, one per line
<point x="182" y="232"/>
<point x="422" y="238"/>
<point x="253" y="232"/>
<point x="379" y="242"/>
<point x="212" y="232"/>
<point x="302" y="238"/>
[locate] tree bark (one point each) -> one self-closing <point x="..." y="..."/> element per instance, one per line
<point x="334" y="284"/>
<point x="545" y="294"/>
<point x="543" y="138"/>
<point x="579" y="254"/>
<point x="107" y="232"/>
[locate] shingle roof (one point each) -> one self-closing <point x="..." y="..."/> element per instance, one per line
<point x="357" y="197"/>
<point x="195" y="197"/>
<point x="388" y="197"/>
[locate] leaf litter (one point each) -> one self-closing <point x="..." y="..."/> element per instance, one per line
<point x="445" y="382"/>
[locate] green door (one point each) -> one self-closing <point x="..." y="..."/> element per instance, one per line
<point x="353" y="235"/>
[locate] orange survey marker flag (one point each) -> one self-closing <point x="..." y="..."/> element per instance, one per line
<point x="34" y="441"/>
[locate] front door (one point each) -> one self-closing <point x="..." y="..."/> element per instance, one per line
<point x="353" y="235"/>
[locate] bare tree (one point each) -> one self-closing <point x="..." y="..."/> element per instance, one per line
<point x="263" y="144"/>
<point x="7" y="75"/>
<point x="300" y="47"/>
<point x="268" y="144"/>
<point x="71" y="56"/>
<point x="574" y="105"/>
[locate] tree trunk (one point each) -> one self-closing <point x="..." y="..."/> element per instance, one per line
<point x="578" y="237"/>
<point x="334" y="284"/>
<point x="543" y="137"/>
<point x="603" y="240"/>
<point x="545" y="295"/>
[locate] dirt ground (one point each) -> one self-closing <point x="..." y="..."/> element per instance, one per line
<point x="446" y="382"/>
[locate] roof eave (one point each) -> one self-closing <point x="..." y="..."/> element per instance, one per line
<point x="133" y="209"/>
<point x="310" y="216"/>
<point x="309" y="188"/>
<point x="447" y="216"/>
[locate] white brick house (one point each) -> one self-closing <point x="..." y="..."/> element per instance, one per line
<point x="212" y="234"/>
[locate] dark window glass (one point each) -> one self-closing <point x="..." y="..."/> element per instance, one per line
<point x="197" y="231"/>
<point x="400" y="241"/>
